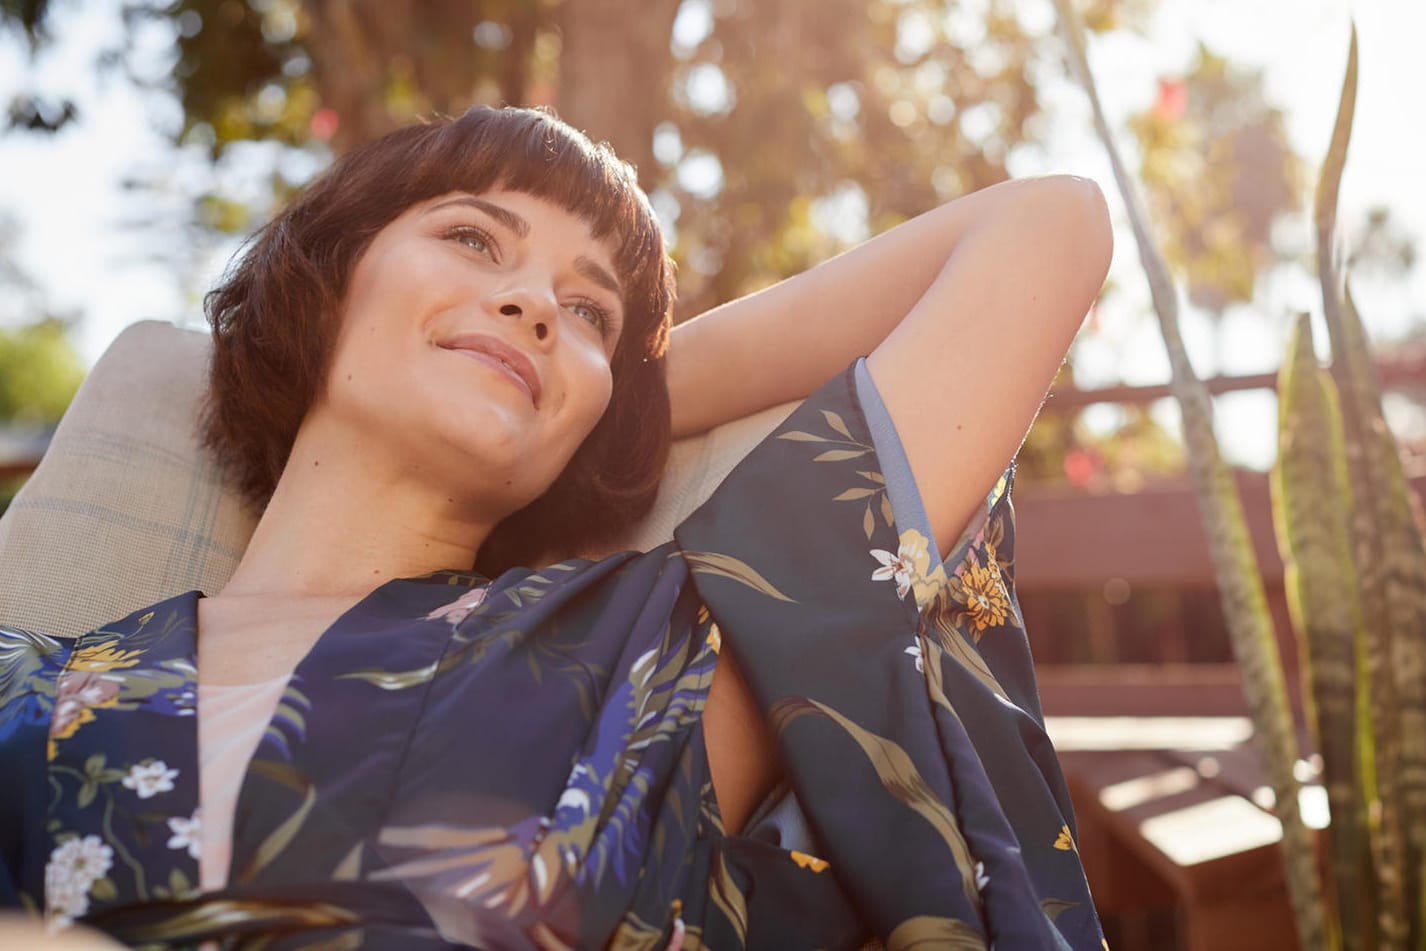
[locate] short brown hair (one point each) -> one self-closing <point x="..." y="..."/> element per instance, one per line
<point x="275" y="312"/>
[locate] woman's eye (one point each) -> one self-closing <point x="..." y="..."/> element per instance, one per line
<point x="473" y="238"/>
<point x="593" y="313"/>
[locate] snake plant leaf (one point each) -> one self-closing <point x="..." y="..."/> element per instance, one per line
<point x="1371" y="516"/>
<point x="1403" y="557"/>
<point x="1309" y="487"/>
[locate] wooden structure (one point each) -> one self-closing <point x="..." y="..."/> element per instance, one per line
<point x="20" y="451"/>
<point x="1144" y="702"/>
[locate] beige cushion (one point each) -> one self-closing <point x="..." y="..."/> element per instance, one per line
<point x="125" y="509"/>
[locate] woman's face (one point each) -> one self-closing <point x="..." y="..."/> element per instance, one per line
<point x="476" y="337"/>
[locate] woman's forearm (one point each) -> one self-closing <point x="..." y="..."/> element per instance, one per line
<point x="782" y="342"/>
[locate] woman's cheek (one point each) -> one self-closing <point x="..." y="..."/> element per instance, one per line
<point x="590" y="382"/>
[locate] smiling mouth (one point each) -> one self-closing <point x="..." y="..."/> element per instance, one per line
<point x="501" y="357"/>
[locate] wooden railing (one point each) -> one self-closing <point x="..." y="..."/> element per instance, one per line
<point x="1403" y="371"/>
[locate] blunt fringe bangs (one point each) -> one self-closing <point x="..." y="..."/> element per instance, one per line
<point x="276" y="312"/>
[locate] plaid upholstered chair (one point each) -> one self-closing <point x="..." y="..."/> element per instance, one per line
<point x="126" y="509"/>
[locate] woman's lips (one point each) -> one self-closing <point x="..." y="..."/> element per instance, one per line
<point x="501" y="356"/>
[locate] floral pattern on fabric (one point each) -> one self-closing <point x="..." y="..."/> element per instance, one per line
<point x="520" y="763"/>
<point x="71" y="874"/>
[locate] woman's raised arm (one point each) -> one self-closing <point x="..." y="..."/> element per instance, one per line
<point x="966" y="311"/>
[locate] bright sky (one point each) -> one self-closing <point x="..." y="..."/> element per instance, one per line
<point x="72" y="216"/>
<point x="1301" y="45"/>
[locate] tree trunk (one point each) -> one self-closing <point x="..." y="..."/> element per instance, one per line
<point x="363" y="49"/>
<point x="349" y="70"/>
<point x="613" y="73"/>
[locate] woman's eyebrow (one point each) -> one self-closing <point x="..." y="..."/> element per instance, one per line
<point x="505" y="216"/>
<point x="596" y="272"/>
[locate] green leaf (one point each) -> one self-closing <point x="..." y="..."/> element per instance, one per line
<point x="103" y="889"/>
<point x="852" y="494"/>
<point x="349" y="868"/>
<point x="287" y="830"/>
<point x="1054" y="907"/>
<point x="729" y="898"/>
<point x="799" y="436"/>
<point x="899" y="776"/>
<point x="726" y="566"/>
<point x="439" y="838"/>
<point x="927" y="932"/>
<point x="836" y="423"/>
<point x="1311" y="506"/>
<point x="840" y="455"/>
<point x="394" y="679"/>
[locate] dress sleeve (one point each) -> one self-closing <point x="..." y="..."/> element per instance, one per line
<point x="901" y="488"/>
<point x="899" y="685"/>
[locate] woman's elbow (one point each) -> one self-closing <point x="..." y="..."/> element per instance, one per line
<point x="1061" y="223"/>
<point x="1074" y="209"/>
<point x="1098" y="231"/>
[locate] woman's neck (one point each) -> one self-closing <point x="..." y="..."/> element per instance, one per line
<point x="342" y="521"/>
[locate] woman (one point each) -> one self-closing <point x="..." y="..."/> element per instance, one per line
<point x="794" y="726"/>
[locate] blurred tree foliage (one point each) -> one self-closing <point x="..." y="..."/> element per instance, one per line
<point x="39" y="372"/>
<point x="1218" y="172"/>
<point x="771" y="135"/>
<point x="1380" y="247"/>
<point x="850" y="116"/>
<point x="39" y="367"/>
<point x="1114" y="458"/>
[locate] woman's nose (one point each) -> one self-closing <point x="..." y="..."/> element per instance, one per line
<point x="530" y="309"/>
<point x="541" y="327"/>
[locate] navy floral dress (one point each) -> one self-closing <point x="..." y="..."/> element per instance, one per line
<point x="520" y="763"/>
